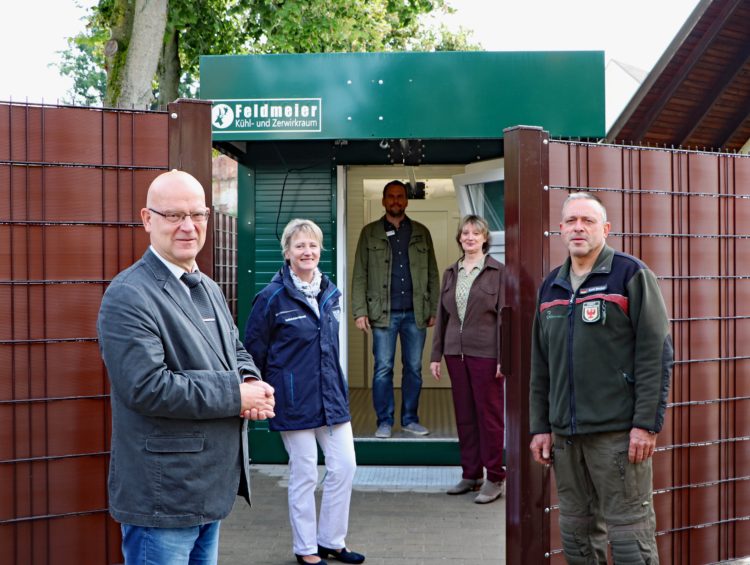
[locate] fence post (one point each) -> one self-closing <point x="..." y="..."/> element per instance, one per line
<point x="527" y="262"/>
<point x="190" y="151"/>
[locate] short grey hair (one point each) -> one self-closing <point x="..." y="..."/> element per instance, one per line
<point x="586" y="196"/>
<point x="300" y="226"/>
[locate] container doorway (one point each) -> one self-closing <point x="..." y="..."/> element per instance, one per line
<point x="440" y="209"/>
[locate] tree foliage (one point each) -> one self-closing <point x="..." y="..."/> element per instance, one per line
<point x="215" y="27"/>
<point x="321" y="26"/>
<point x="83" y="61"/>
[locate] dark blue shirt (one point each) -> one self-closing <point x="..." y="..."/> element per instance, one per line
<point x="401" y="285"/>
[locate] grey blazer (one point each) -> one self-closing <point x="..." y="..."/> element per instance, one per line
<point x="179" y="446"/>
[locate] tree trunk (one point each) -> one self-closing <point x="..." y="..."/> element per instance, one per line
<point x="116" y="49"/>
<point x="144" y="49"/>
<point x="169" y="69"/>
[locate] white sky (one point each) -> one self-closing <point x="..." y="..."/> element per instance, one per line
<point x="632" y="31"/>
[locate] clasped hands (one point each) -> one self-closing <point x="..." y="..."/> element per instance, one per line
<point x="256" y="400"/>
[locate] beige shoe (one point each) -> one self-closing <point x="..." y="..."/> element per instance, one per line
<point x="490" y="491"/>
<point x="464" y="486"/>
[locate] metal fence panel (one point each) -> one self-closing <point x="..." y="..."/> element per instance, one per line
<point x="679" y="212"/>
<point x="684" y="213"/>
<point x="225" y="257"/>
<point x="72" y="183"/>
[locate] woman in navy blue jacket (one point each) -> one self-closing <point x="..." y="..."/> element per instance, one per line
<point x="293" y="335"/>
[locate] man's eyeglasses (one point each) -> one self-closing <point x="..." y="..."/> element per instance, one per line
<point x="179" y="217"/>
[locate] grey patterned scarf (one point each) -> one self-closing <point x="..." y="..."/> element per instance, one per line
<point x="310" y="290"/>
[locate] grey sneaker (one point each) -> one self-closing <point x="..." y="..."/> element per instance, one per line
<point x="490" y="491"/>
<point x="464" y="486"/>
<point x="383" y="431"/>
<point x="416" y="428"/>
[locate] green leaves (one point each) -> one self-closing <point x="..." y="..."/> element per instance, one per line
<point x="223" y="27"/>
<point x="83" y="60"/>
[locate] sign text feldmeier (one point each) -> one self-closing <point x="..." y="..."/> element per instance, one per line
<point x="267" y="115"/>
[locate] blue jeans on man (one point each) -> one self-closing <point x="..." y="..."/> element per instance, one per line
<point x="194" y="545"/>
<point x="402" y="324"/>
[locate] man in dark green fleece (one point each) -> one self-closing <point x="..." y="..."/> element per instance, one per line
<point x="602" y="360"/>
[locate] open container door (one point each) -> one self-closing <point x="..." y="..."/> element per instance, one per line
<point x="481" y="191"/>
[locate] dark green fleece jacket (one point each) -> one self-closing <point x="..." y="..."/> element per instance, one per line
<point x="601" y="356"/>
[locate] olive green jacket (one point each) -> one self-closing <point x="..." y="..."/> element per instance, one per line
<point x="371" y="280"/>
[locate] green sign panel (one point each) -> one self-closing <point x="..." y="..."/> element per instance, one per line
<point x="267" y="115"/>
<point x="444" y="95"/>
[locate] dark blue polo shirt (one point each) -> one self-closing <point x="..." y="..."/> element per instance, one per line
<point x="401" y="285"/>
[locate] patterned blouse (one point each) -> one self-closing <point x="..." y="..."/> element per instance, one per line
<point x="463" y="286"/>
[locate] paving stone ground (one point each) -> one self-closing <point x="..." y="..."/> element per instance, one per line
<point x="399" y="516"/>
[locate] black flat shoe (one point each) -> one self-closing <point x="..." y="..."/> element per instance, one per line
<point x="345" y="556"/>
<point x="303" y="562"/>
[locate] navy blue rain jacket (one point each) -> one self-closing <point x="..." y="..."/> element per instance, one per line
<point x="298" y="353"/>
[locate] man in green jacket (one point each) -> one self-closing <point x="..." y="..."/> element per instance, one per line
<point x="601" y="366"/>
<point x="395" y="289"/>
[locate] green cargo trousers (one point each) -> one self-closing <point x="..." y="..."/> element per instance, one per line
<point x="604" y="497"/>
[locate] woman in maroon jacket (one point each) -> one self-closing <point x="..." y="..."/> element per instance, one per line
<point x="467" y="334"/>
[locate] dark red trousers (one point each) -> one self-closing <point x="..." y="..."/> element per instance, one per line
<point x="480" y="418"/>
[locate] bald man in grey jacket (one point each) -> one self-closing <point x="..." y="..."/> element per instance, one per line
<point x="183" y="388"/>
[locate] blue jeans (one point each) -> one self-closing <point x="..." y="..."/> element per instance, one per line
<point x="402" y="323"/>
<point x="193" y="545"/>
